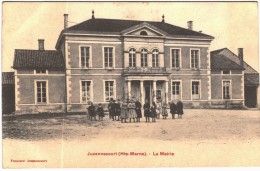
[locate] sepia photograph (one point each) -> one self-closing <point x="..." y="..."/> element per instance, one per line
<point x="130" y="84"/>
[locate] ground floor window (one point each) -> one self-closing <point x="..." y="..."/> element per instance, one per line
<point x="109" y="90"/>
<point x="41" y="91"/>
<point x="226" y="89"/>
<point x="195" y="90"/>
<point x="176" y="89"/>
<point x="85" y="91"/>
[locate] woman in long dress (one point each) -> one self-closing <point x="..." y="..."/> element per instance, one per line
<point x="164" y="111"/>
<point x="123" y="114"/>
<point x="138" y="111"/>
<point x="158" y="109"/>
<point x="153" y="112"/>
<point x="132" y="113"/>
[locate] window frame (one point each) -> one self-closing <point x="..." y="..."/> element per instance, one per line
<point x="180" y="63"/>
<point x="113" y="56"/>
<point x="36" y="92"/>
<point x="91" y="90"/>
<point x="194" y="49"/>
<point x="180" y="89"/>
<point x="141" y="53"/>
<point x="132" y="58"/>
<point x="104" y="89"/>
<point x="199" y="89"/>
<point x="230" y="89"/>
<point x="222" y="72"/>
<point x="90" y="56"/>
<point x="46" y="73"/>
<point x="157" y="62"/>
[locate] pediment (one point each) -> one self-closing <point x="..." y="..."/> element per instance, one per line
<point x="143" y="29"/>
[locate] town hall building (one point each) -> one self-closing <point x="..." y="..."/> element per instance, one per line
<point x="100" y="59"/>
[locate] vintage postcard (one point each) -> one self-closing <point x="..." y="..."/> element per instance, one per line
<point x="130" y="84"/>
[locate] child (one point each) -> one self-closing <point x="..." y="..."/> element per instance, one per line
<point x="123" y="114"/>
<point x="100" y="112"/>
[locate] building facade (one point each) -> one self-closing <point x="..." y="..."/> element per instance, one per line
<point x="100" y="59"/>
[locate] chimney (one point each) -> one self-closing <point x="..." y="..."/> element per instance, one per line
<point x="163" y="19"/>
<point x="93" y="14"/>
<point x="241" y="56"/>
<point x="41" y="44"/>
<point x="200" y="31"/>
<point x="66" y="21"/>
<point x="190" y="25"/>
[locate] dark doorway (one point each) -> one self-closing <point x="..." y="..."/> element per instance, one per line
<point x="251" y="96"/>
<point x="8" y="99"/>
<point x="147" y="94"/>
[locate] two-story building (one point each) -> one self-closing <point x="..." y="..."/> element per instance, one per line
<point x="100" y="59"/>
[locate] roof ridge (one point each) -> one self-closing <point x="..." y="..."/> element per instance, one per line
<point x="38" y="50"/>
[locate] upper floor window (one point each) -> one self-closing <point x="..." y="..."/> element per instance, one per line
<point x="41" y="92"/>
<point x="226" y="89"/>
<point x="41" y="71"/>
<point x="194" y="58"/>
<point x="176" y="58"/>
<point x="85" y="57"/>
<point x="132" y="57"/>
<point x="155" y="58"/>
<point x="108" y="57"/>
<point x="144" y="61"/>
<point x="143" y="33"/>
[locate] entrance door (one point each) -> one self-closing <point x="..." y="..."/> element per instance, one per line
<point x="250" y="96"/>
<point x="147" y="94"/>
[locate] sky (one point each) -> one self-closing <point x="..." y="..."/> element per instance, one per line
<point x="233" y="24"/>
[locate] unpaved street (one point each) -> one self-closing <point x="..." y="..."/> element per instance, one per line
<point x="201" y="138"/>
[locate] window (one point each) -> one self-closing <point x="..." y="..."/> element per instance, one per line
<point x="194" y="58"/>
<point x="226" y="89"/>
<point x="155" y="58"/>
<point x="226" y="72"/>
<point x="176" y="58"/>
<point x="108" y="55"/>
<point x="41" y="91"/>
<point x="109" y="90"/>
<point x="41" y="71"/>
<point x="132" y="57"/>
<point x="85" y="57"/>
<point x="195" y="90"/>
<point x="176" y="89"/>
<point x="144" y="62"/>
<point x="85" y="91"/>
<point x="143" y="33"/>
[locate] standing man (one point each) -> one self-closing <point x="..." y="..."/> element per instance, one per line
<point x="138" y="111"/>
<point x="147" y="111"/>
<point x="179" y="109"/>
<point x="173" y="109"/>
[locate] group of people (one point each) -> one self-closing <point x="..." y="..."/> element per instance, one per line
<point x="92" y="112"/>
<point x="131" y="110"/>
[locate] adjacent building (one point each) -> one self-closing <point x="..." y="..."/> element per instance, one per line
<point x="100" y="59"/>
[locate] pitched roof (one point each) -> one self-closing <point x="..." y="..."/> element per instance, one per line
<point x="251" y="79"/>
<point x="45" y="59"/>
<point x="222" y="62"/>
<point x="249" y="69"/>
<point x="7" y="78"/>
<point x="99" y="25"/>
